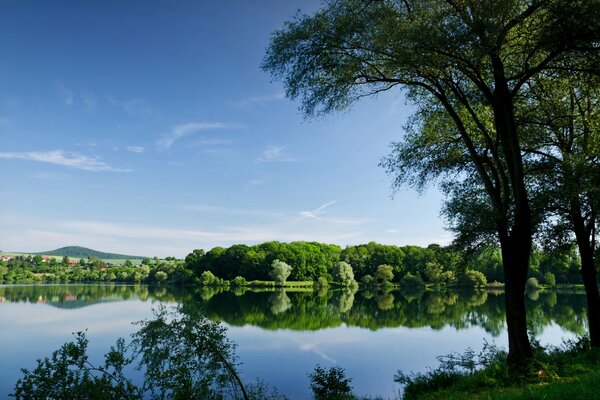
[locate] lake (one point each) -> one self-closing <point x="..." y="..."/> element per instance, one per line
<point x="282" y="335"/>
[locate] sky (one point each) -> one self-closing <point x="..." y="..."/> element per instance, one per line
<point x="148" y="128"/>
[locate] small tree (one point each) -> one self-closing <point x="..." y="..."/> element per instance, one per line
<point x="532" y="283"/>
<point x="343" y="274"/>
<point x="280" y="272"/>
<point x="549" y="279"/>
<point x="208" y="278"/>
<point x="239" y="281"/>
<point x="331" y="384"/>
<point x="411" y="280"/>
<point x="160" y="276"/>
<point x="474" y="279"/>
<point x="433" y="272"/>
<point x="384" y="274"/>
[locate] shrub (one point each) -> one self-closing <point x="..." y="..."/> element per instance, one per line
<point x="208" y="278"/>
<point x="384" y="274"/>
<point x="239" y="281"/>
<point x="549" y="279"/>
<point x="322" y="282"/>
<point x="532" y="283"/>
<point x="412" y="280"/>
<point x="330" y="384"/>
<point x="474" y="279"/>
<point x="160" y="276"/>
<point x="280" y="272"/>
<point x="343" y="274"/>
<point x="367" y="280"/>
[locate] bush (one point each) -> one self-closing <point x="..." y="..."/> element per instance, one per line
<point x="474" y="279"/>
<point x="384" y="274"/>
<point x="208" y="278"/>
<point x="280" y="272"/>
<point x="322" y="282"/>
<point x="412" y="280"/>
<point x="532" y="283"/>
<point x="239" y="281"/>
<point x="367" y="280"/>
<point x="331" y="384"/>
<point x="549" y="279"/>
<point x="160" y="276"/>
<point x="343" y="274"/>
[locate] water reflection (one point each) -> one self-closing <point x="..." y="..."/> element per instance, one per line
<point x="302" y="309"/>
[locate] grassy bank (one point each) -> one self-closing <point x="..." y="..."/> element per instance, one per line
<point x="569" y="372"/>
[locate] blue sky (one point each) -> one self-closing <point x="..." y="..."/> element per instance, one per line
<point x="148" y="128"/>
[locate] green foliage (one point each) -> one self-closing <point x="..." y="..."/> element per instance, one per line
<point x="343" y="274"/>
<point x="474" y="279"/>
<point x="384" y="274"/>
<point x="330" y="384"/>
<point x="280" y="272"/>
<point x="322" y="282"/>
<point x="549" y="279"/>
<point x="368" y="280"/>
<point x="239" y="281"/>
<point x="485" y="375"/>
<point x="207" y="278"/>
<point x="411" y="280"/>
<point x="183" y="356"/>
<point x="532" y="283"/>
<point x="68" y="374"/>
<point x="186" y="356"/>
<point x="160" y="276"/>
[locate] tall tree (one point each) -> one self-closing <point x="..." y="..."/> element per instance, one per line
<point x="564" y="149"/>
<point x="469" y="59"/>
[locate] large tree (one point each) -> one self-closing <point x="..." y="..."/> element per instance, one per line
<point x="563" y="148"/>
<point x="468" y="59"/>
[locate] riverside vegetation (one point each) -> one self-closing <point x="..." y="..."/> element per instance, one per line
<point x="239" y="265"/>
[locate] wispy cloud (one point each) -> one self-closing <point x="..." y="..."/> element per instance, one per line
<point x="135" y="149"/>
<point x="254" y="183"/>
<point x="203" y="208"/>
<point x="275" y="154"/>
<point x="210" y="142"/>
<point x="317" y="212"/>
<point x="66" y="95"/>
<point x="89" y="100"/>
<point x="259" y="100"/>
<point x="59" y="157"/>
<point x="131" y="106"/>
<point x="180" y="131"/>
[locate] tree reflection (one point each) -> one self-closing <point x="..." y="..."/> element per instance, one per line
<point x="323" y="308"/>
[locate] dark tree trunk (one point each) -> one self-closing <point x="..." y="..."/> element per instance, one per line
<point x="515" y="259"/>
<point x="589" y="275"/>
<point x="515" y="241"/>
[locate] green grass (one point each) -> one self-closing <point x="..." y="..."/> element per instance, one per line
<point x="573" y="372"/>
<point x="586" y="386"/>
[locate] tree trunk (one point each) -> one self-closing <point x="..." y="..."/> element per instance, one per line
<point x="516" y="241"/>
<point x="589" y="275"/>
<point x="515" y="260"/>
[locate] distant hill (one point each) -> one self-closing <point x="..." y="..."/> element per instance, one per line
<point x="84" y="252"/>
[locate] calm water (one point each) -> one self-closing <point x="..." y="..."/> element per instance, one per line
<point x="281" y="335"/>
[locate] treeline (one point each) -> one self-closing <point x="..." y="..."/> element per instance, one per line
<point x="433" y="264"/>
<point x="371" y="263"/>
<point x="32" y="269"/>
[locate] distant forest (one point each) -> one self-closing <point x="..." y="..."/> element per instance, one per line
<point x="84" y="252"/>
<point x="433" y="264"/>
<point x="309" y="261"/>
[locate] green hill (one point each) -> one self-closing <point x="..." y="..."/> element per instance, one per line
<point x="84" y="252"/>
